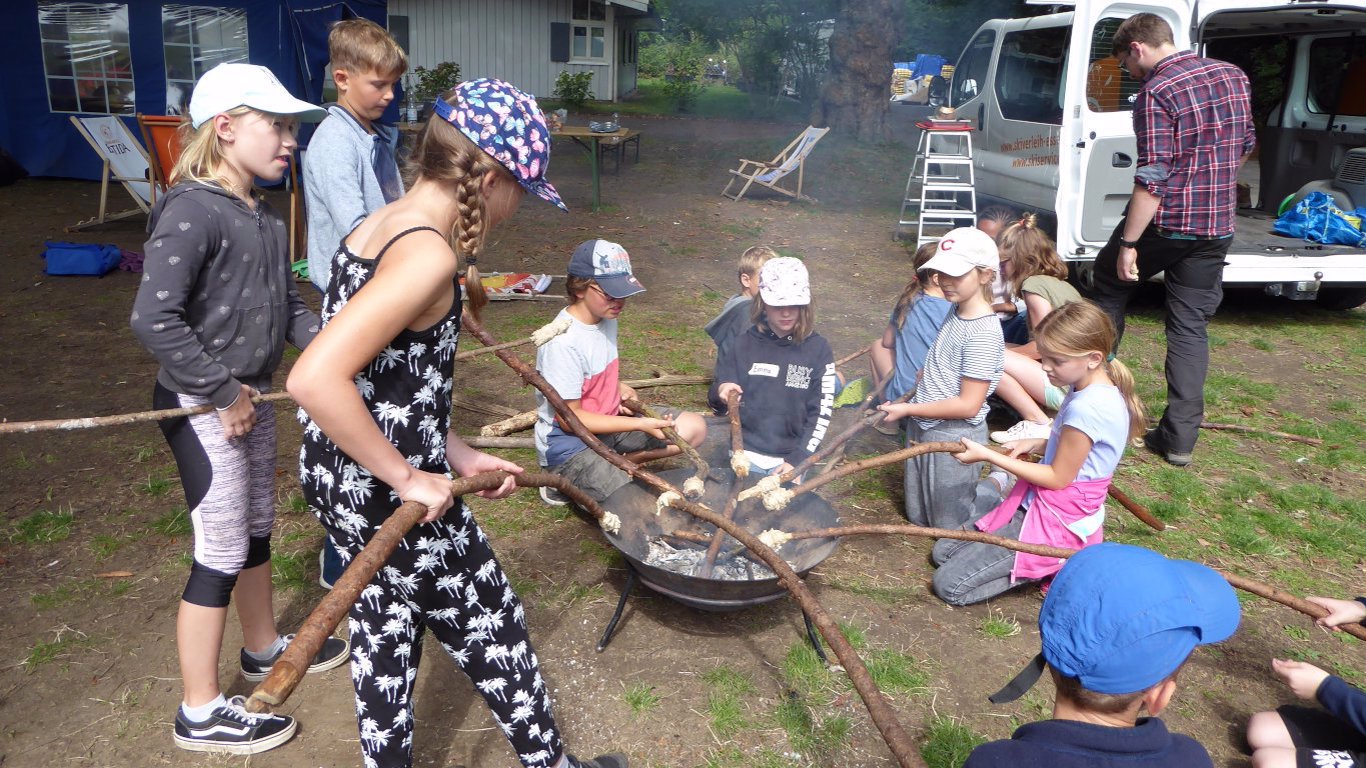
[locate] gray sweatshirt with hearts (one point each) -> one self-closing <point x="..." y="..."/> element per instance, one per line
<point x="217" y="301"/>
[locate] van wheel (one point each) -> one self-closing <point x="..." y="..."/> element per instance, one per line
<point x="1084" y="275"/>
<point x="1342" y="299"/>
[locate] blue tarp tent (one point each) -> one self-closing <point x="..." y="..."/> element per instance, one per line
<point x="288" y="36"/>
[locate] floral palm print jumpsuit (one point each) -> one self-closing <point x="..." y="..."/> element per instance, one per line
<point x="443" y="576"/>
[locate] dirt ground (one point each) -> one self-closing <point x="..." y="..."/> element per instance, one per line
<point x="88" y="673"/>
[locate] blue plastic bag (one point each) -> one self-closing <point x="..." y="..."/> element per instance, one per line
<point x="92" y="259"/>
<point x="1318" y="220"/>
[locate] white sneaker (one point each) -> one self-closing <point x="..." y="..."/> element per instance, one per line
<point x="553" y="497"/>
<point x="1025" y="430"/>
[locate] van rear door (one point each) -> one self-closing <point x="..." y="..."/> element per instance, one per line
<point x="1098" y="156"/>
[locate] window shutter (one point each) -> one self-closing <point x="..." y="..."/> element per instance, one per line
<point x="559" y="41"/>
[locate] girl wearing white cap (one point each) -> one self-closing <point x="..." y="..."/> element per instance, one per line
<point x="961" y="370"/>
<point x="784" y="371"/>
<point x="216" y="305"/>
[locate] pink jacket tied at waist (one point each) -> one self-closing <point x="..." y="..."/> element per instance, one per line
<point x="1069" y="518"/>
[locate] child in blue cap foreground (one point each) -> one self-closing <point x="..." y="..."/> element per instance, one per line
<point x="1117" y="626"/>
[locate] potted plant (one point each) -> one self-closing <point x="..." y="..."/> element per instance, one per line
<point x="428" y="84"/>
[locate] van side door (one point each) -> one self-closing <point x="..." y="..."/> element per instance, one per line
<point x="1018" y="156"/>
<point x="1099" y="156"/>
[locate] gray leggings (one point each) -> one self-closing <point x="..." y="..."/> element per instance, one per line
<point x="940" y="492"/>
<point x="970" y="572"/>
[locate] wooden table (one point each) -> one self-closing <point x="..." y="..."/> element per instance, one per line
<point x="591" y="141"/>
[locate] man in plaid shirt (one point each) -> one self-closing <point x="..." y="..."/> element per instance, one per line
<point x="1193" y="122"/>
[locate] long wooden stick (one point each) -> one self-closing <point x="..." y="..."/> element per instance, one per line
<point x="737" y="444"/>
<point x="1137" y="509"/>
<point x="290" y="668"/>
<point x="695" y="486"/>
<point x="666" y="380"/>
<point x="467" y="354"/>
<point x="521" y="421"/>
<point x="1253" y="431"/>
<point x="870" y="419"/>
<point x="881" y="713"/>
<point x="49" y="425"/>
<point x="1250" y="586"/>
<point x="1221" y="426"/>
<point x="854" y="355"/>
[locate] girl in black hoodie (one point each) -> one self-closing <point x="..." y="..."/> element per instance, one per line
<point x="784" y="370"/>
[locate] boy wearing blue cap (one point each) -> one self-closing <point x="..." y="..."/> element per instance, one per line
<point x="1117" y="625"/>
<point x="1332" y="737"/>
<point x="582" y="365"/>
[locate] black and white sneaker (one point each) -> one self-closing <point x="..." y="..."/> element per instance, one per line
<point x="614" y="760"/>
<point x="334" y="653"/>
<point x="232" y="730"/>
<point x="553" y="497"/>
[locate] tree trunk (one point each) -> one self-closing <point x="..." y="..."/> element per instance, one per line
<point x="857" y="93"/>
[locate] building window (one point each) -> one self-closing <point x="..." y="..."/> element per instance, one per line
<point x="85" y="57"/>
<point x="589" y="38"/>
<point x="196" y="39"/>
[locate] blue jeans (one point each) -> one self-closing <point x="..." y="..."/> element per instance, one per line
<point x="969" y="571"/>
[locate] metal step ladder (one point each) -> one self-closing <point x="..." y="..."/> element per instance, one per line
<point x="947" y="196"/>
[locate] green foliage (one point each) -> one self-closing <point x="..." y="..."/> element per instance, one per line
<point x="431" y="83"/>
<point x="684" y="63"/>
<point x="574" y="88"/>
<point x="173" y="523"/>
<point x="947" y="744"/>
<point x="724" y="708"/>
<point x="43" y="527"/>
<point x="641" y="698"/>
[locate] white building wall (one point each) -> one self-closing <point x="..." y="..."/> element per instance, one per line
<point x="506" y="39"/>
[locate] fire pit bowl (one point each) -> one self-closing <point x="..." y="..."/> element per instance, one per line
<point x="635" y="505"/>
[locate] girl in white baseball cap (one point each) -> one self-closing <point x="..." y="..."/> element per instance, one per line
<point x="216" y="305"/>
<point x="961" y="371"/>
<point x="784" y="370"/>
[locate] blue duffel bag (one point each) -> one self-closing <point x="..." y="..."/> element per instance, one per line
<point x="80" y="258"/>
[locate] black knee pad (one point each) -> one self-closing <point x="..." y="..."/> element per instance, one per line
<point x="207" y="587"/>
<point x="258" y="552"/>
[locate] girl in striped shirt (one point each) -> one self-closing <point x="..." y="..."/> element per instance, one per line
<point x="961" y="370"/>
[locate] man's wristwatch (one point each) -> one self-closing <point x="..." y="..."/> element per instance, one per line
<point x="1128" y="243"/>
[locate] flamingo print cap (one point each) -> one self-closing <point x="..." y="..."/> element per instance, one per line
<point x="506" y="123"/>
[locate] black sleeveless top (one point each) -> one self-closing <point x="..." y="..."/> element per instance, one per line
<point x="407" y="389"/>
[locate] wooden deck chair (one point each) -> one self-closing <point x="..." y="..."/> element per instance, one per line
<point x="160" y="134"/>
<point x="792" y="158"/>
<point x="124" y="160"/>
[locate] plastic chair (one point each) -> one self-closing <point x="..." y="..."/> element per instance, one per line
<point x="792" y="158"/>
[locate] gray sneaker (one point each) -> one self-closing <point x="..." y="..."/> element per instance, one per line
<point x="1153" y="443"/>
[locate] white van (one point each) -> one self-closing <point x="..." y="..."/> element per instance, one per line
<point x="1054" y="133"/>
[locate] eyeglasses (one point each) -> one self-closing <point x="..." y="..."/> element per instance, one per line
<point x="605" y="295"/>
